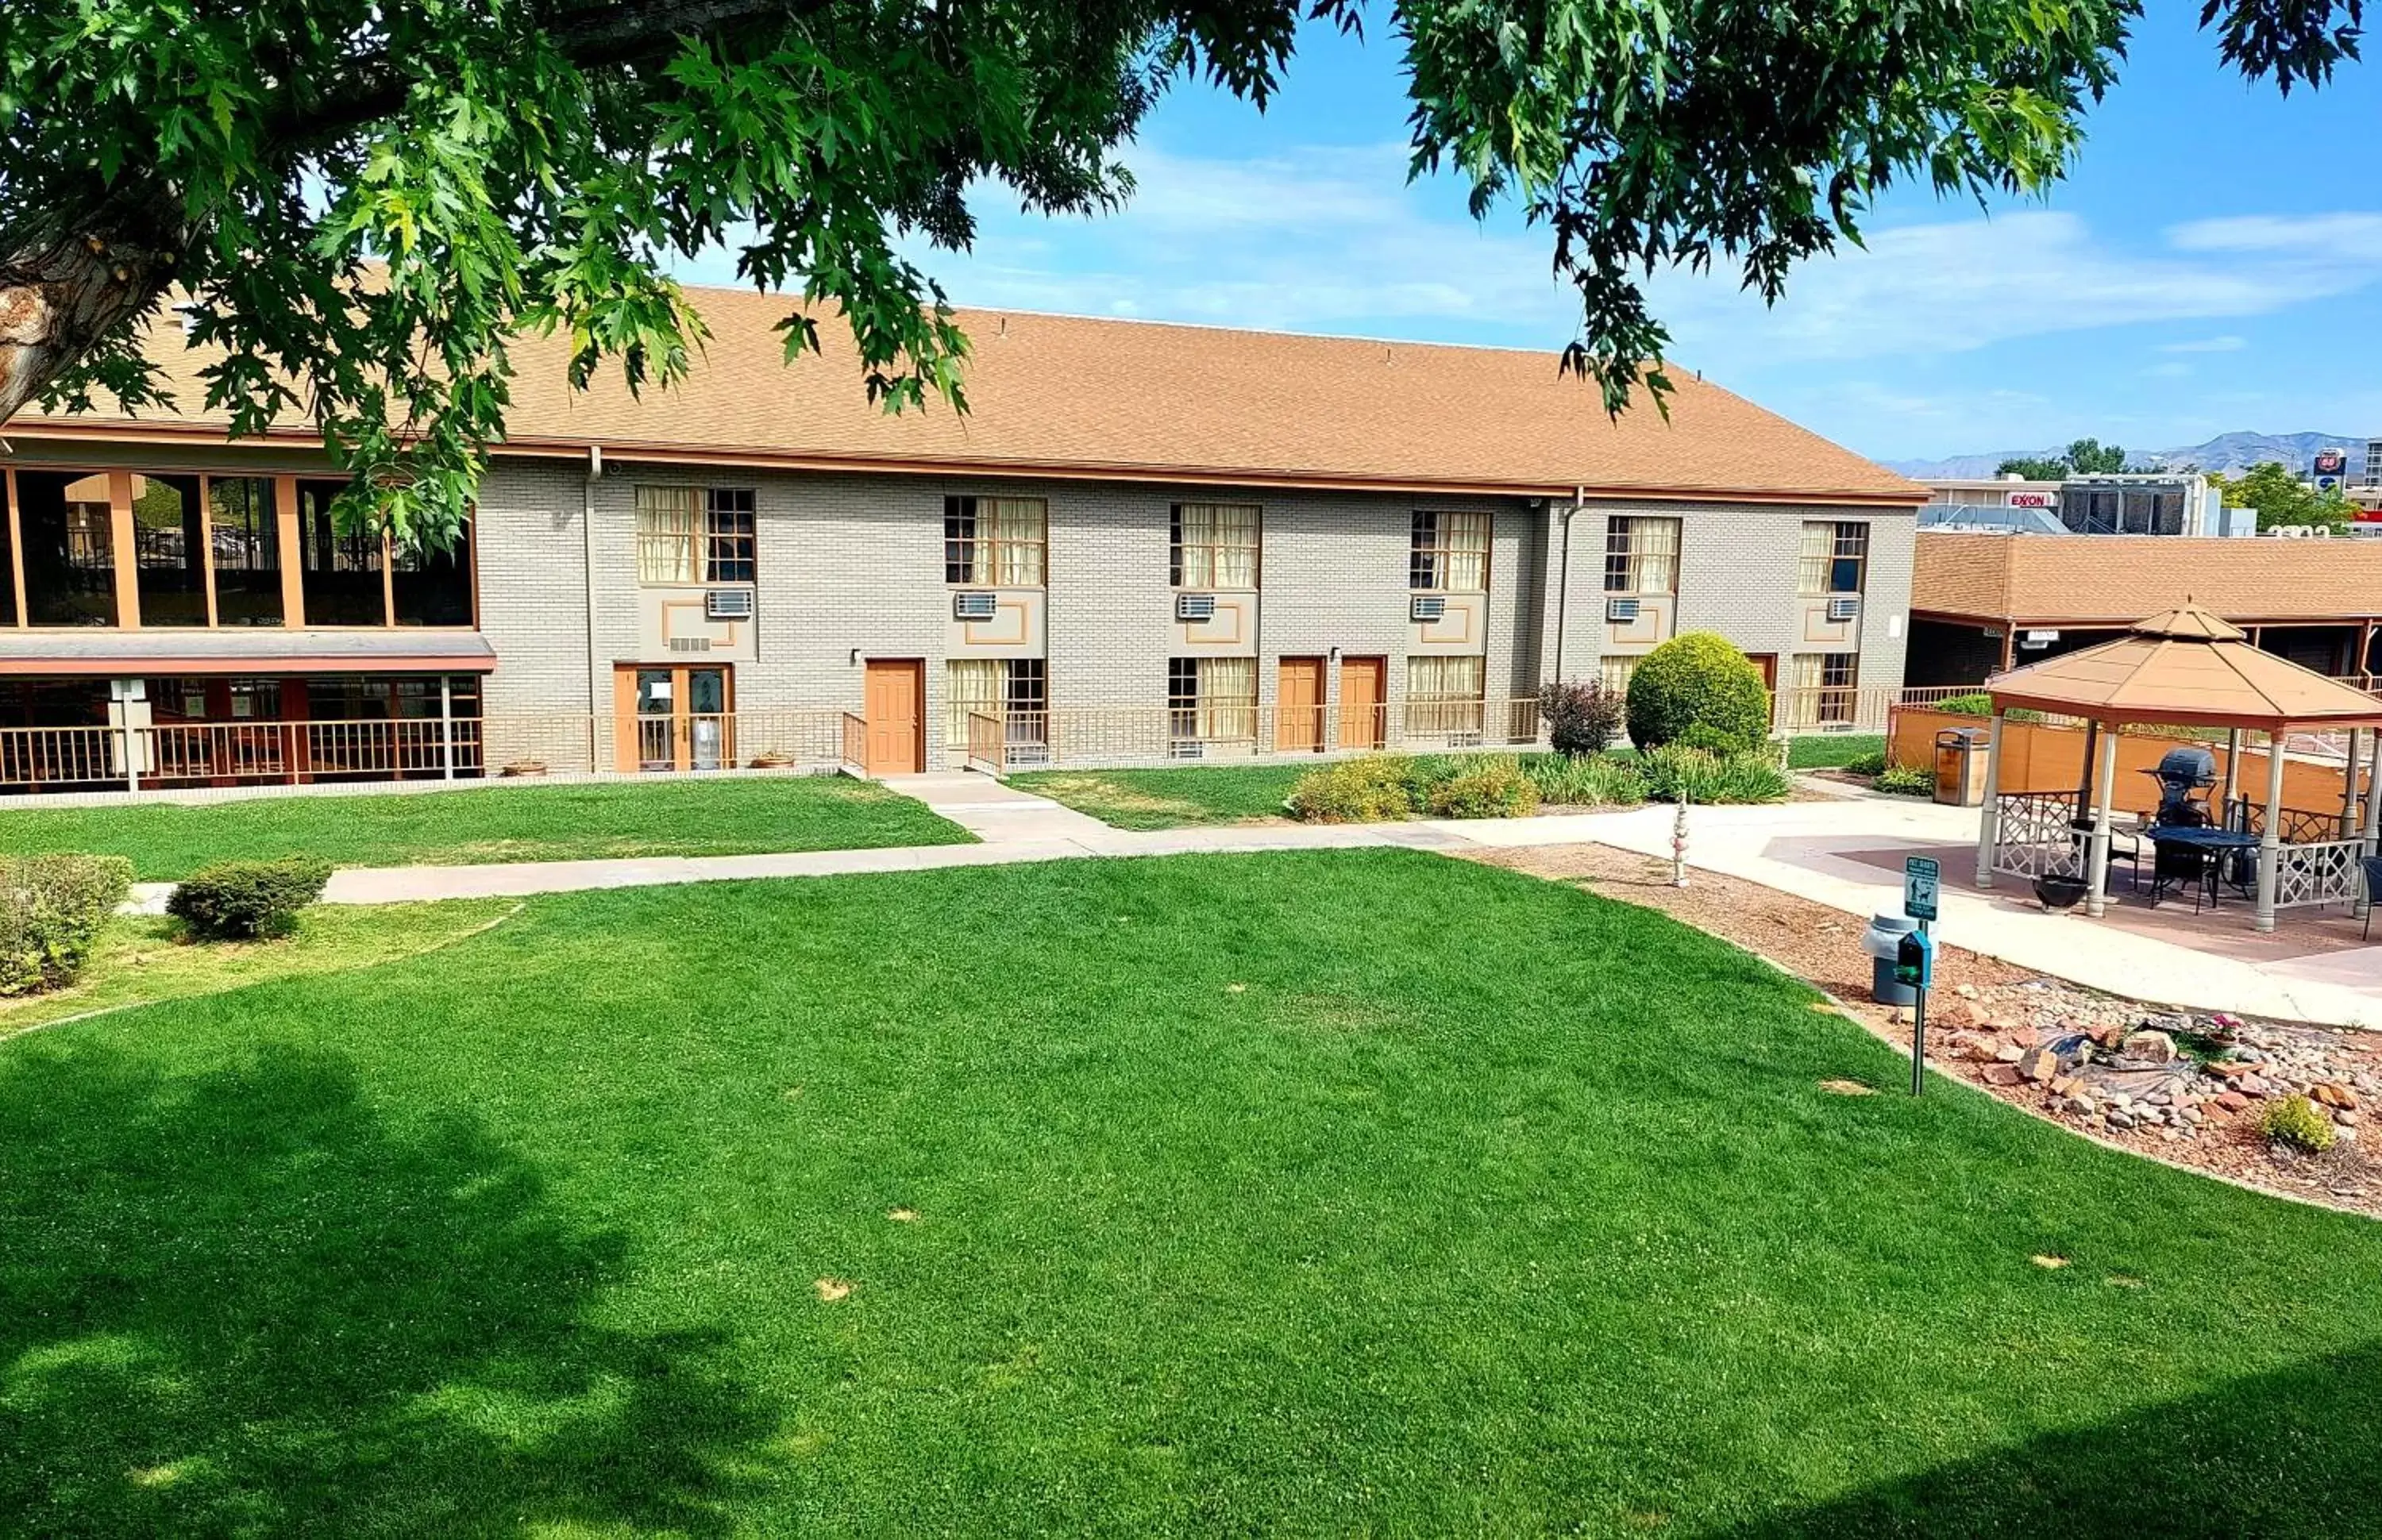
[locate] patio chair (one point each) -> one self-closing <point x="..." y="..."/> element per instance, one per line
<point x="2371" y="867"/>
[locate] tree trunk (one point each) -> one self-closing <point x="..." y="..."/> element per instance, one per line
<point x="64" y="289"/>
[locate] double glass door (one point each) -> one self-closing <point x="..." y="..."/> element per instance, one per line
<point x="678" y="717"/>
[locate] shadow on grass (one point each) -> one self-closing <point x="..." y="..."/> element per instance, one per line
<point x="2297" y="1451"/>
<point x="249" y="1302"/>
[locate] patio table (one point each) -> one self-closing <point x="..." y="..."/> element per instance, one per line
<point x="2212" y="849"/>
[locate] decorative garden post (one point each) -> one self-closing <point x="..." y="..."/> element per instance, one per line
<point x="1679" y="843"/>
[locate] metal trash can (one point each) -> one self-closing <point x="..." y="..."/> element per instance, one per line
<point x="1960" y="765"/>
<point x="1881" y="941"/>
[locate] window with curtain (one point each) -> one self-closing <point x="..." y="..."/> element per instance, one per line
<point x="689" y="535"/>
<point x="1825" y="685"/>
<point x="1834" y="559"/>
<point x="1641" y="556"/>
<point x="1616" y="672"/>
<point x="1013" y="691"/>
<point x="1450" y="553"/>
<point x="1215" y="545"/>
<point x="1443" y="694"/>
<point x="668" y="520"/>
<point x="1212" y="698"/>
<point x="995" y="542"/>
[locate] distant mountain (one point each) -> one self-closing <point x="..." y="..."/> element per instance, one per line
<point x="2225" y="452"/>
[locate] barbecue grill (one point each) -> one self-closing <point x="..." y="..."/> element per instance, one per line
<point x="2184" y="777"/>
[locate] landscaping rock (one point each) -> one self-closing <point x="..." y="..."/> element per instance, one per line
<point x="2338" y="1096"/>
<point x="2039" y="1065"/>
<point x="2233" y="1101"/>
<point x="2010" y="1053"/>
<point x="2003" y="1074"/>
<point x="2151" y="1046"/>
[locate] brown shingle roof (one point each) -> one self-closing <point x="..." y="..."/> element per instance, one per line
<point x="1067" y="395"/>
<point x="2186" y="668"/>
<point x="2114" y="580"/>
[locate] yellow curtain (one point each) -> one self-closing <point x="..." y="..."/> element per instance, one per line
<point x="667" y="518"/>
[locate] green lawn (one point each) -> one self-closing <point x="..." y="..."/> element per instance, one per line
<point x="1828" y="751"/>
<point x="655" y="817"/>
<point x="1169" y="798"/>
<point x="1329" y="1193"/>
<point x="144" y="959"/>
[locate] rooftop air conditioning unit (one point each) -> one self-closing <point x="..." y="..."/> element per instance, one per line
<point x="974" y="606"/>
<point x="1842" y="610"/>
<point x="1194" y="607"/>
<point x="1427" y="607"/>
<point x="727" y="604"/>
<point x="1621" y="612"/>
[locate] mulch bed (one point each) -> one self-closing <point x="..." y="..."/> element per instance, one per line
<point x="2184" y="1089"/>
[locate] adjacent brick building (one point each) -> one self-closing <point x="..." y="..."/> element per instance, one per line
<point x="1142" y="542"/>
<point x="1984" y="603"/>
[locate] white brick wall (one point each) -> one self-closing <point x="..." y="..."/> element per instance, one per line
<point x="851" y="565"/>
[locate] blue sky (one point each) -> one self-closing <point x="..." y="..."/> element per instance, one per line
<point x="2214" y="262"/>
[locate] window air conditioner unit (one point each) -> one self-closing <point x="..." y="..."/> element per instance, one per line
<point x="1194" y="607"/>
<point x="974" y="606"/>
<point x="1424" y="608"/>
<point x="1187" y="748"/>
<point x="1464" y="740"/>
<point x="727" y="604"/>
<point x="1621" y="612"/>
<point x="1842" y="610"/>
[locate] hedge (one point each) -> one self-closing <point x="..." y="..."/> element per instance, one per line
<point x="239" y="901"/>
<point x="52" y="910"/>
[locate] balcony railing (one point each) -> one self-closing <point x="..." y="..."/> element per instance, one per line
<point x="173" y="756"/>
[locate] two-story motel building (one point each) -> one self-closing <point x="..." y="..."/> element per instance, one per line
<point x="1142" y="542"/>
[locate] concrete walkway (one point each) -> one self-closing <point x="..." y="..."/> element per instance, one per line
<point x="1847" y="854"/>
<point x="403" y="884"/>
<point x="993" y="811"/>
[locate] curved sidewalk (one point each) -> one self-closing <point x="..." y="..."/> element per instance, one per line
<point x="1847" y="854"/>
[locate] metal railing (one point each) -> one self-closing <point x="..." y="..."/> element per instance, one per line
<point x="175" y="755"/>
<point x="987" y="741"/>
<point x="1851" y="709"/>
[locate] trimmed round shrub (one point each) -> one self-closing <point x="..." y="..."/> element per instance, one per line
<point x="1372" y="789"/>
<point x="2295" y="1120"/>
<point x="240" y="900"/>
<point x="52" y="910"/>
<point x="1698" y="689"/>
<point x="1495" y="788"/>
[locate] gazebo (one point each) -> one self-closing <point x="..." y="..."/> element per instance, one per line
<point x="2183" y="669"/>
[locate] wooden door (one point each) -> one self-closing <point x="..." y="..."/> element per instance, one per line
<point x="897" y="716"/>
<point x="1361" y="693"/>
<point x="1768" y="664"/>
<point x="1298" y="706"/>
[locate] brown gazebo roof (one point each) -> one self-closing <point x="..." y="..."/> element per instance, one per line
<point x="2189" y="668"/>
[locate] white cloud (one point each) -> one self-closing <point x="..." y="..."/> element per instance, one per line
<point x="1955" y="287"/>
<point x="1316" y="239"/>
<point x="2228" y="344"/>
